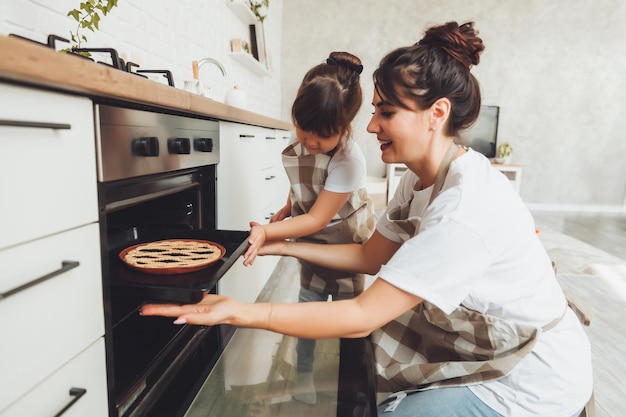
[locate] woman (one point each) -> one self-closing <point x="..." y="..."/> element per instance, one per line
<point x="466" y="314"/>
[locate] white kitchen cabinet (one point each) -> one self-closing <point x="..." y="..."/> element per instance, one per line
<point x="251" y="182"/>
<point x="48" y="181"/>
<point x="51" y="306"/>
<point x="251" y="186"/>
<point x="83" y="379"/>
<point x="46" y="325"/>
<point x="283" y="138"/>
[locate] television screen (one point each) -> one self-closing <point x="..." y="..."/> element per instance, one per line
<point x="482" y="136"/>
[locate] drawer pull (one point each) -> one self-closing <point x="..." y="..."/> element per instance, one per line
<point x="65" y="266"/>
<point x="39" y="125"/>
<point x="270" y="177"/>
<point x="76" y="393"/>
<point x="246" y="136"/>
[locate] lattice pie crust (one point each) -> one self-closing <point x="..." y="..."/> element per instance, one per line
<point x="173" y="254"/>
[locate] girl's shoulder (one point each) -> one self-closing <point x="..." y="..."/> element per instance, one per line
<point x="350" y="150"/>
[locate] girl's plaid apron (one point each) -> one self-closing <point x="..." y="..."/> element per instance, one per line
<point x="425" y="348"/>
<point x="354" y="222"/>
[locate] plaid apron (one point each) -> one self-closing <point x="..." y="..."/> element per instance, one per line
<point x="354" y="223"/>
<point x="426" y="348"/>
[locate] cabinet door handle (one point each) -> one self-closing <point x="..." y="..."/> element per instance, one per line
<point x="270" y="177"/>
<point x="65" y="266"/>
<point x="39" y="125"/>
<point x="246" y="136"/>
<point x="270" y="137"/>
<point x="76" y="393"/>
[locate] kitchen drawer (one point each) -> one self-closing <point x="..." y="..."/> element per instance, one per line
<point x="45" y="325"/>
<point x="85" y="372"/>
<point x="47" y="163"/>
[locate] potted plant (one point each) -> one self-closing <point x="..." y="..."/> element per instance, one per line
<point x="504" y="152"/>
<point x="87" y="15"/>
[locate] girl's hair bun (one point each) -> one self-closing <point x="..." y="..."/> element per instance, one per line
<point x="345" y="59"/>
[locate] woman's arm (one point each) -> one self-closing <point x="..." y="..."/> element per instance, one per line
<point x="357" y="317"/>
<point x="366" y="258"/>
<point x="323" y="210"/>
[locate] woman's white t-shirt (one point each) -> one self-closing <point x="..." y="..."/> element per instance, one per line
<point x="477" y="246"/>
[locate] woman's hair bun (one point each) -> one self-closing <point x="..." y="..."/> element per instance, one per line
<point x="461" y="42"/>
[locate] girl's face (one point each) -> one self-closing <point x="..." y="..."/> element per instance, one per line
<point x="317" y="144"/>
<point x="404" y="135"/>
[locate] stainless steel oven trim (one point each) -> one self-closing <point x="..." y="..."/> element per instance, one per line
<point x="118" y="129"/>
<point x="117" y="205"/>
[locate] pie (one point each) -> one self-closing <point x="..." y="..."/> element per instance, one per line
<point x="172" y="255"/>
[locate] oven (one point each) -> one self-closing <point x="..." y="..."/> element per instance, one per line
<point x="157" y="180"/>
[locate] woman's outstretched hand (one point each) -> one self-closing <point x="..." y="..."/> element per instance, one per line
<point x="212" y="309"/>
<point x="273" y="247"/>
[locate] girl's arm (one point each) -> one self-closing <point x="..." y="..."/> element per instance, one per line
<point x="357" y="317"/>
<point x="365" y="258"/>
<point x="323" y="210"/>
<point x="281" y="214"/>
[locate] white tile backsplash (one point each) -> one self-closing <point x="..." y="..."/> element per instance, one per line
<point x="164" y="34"/>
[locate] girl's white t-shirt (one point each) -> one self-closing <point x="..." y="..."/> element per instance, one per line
<point x="347" y="171"/>
<point x="477" y="246"/>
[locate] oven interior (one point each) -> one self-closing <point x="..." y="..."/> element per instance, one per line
<point x="155" y="367"/>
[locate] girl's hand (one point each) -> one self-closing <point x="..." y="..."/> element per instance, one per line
<point x="281" y="214"/>
<point x="255" y="240"/>
<point x="212" y="309"/>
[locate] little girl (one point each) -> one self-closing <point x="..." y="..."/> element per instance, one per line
<point x="328" y="201"/>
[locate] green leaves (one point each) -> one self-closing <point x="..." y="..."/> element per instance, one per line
<point x="88" y="17"/>
<point x="257" y="8"/>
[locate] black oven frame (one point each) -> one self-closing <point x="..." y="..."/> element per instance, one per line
<point x="155" y="368"/>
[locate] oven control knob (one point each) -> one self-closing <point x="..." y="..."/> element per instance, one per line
<point x="146" y="146"/>
<point x="203" y="144"/>
<point x="179" y="145"/>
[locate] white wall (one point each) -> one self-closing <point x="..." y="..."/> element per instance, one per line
<point x="557" y="69"/>
<point x="165" y="34"/>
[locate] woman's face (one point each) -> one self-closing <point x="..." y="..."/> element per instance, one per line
<point x="403" y="134"/>
<point x="317" y="144"/>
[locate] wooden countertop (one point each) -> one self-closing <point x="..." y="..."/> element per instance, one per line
<point x="26" y="62"/>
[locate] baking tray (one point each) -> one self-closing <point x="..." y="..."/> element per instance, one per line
<point x="182" y="288"/>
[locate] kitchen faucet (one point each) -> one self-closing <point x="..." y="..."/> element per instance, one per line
<point x="197" y="64"/>
<point x="194" y="85"/>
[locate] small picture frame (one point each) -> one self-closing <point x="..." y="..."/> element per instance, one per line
<point x="254" y="50"/>
<point x="257" y="43"/>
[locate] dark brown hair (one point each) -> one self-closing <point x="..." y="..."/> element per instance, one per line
<point x="330" y="96"/>
<point x="437" y="66"/>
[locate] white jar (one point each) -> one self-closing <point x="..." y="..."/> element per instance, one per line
<point x="236" y="98"/>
